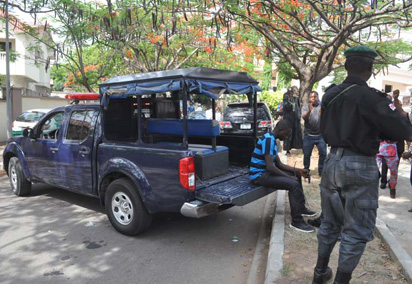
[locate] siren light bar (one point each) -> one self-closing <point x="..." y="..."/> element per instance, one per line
<point x="82" y="96"/>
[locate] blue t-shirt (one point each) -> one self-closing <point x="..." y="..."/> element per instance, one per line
<point x="265" y="146"/>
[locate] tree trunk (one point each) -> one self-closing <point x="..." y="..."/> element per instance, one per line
<point x="306" y="86"/>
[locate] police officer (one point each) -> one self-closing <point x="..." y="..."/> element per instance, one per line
<point x="354" y="118"/>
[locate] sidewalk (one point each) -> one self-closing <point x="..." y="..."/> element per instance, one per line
<point x="394" y="227"/>
<point x="394" y="223"/>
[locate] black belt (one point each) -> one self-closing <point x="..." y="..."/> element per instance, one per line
<point x="346" y="152"/>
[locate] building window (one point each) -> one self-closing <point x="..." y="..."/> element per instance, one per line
<point x="38" y="56"/>
<point x="388" y="88"/>
<point x="3" y="46"/>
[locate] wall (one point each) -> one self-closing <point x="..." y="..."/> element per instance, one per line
<point x="27" y="103"/>
<point x="31" y="103"/>
<point x="3" y="121"/>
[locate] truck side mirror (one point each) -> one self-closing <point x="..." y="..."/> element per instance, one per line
<point x="28" y="132"/>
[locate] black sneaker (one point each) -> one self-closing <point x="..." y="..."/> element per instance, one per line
<point x="302" y="227"/>
<point x="308" y="213"/>
<point x="383" y="185"/>
<point x="315" y="222"/>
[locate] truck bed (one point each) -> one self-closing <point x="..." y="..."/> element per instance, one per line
<point x="233" y="188"/>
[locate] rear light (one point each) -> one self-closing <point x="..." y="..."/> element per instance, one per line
<point x="226" y="124"/>
<point x="265" y="123"/>
<point x="187" y="173"/>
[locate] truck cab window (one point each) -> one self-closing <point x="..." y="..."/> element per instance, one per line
<point x="79" y="125"/>
<point x="121" y="120"/>
<point x="49" y="129"/>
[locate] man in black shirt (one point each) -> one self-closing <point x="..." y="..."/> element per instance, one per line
<point x="354" y="118"/>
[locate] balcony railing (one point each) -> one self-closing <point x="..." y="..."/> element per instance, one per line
<point x="13" y="56"/>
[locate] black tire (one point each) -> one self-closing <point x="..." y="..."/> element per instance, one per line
<point x="19" y="184"/>
<point x="125" y="208"/>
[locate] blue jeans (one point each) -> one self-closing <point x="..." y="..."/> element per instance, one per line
<point x="308" y="143"/>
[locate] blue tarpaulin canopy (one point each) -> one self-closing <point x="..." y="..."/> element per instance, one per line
<point x="196" y="80"/>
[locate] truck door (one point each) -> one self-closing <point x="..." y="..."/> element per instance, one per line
<point x="75" y="152"/>
<point x="41" y="152"/>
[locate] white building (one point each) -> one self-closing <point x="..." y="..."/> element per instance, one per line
<point x="394" y="78"/>
<point x="29" y="62"/>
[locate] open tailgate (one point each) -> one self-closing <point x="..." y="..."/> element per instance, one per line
<point x="238" y="191"/>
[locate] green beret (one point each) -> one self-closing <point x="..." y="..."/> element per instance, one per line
<point x="361" y="50"/>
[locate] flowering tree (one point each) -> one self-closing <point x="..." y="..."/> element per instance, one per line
<point x="165" y="34"/>
<point x="98" y="40"/>
<point x="311" y="35"/>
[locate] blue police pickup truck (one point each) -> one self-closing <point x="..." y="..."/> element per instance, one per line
<point x="138" y="152"/>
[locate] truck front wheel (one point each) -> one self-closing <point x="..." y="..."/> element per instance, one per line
<point x="19" y="184"/>
<point x="125" y="208"/>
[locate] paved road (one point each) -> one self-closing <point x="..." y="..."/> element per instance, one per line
<point x="55" y="236"/>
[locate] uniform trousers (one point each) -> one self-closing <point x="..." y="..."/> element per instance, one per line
<point x="349" y="197"/>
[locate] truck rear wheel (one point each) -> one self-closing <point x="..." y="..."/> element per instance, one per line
<point x="125" y="208"/>
<point x="19" y="184"/>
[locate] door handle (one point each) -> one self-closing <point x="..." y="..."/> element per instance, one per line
<point x="84" y="151"/>
<point x="54" y="150"/>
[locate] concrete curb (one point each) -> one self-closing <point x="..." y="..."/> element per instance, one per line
<point x="395" y="249"/>
<point x="259" y="257"/>
<point x="274" y="265"/>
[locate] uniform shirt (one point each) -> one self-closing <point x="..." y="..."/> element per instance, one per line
<point x="360" y="117"/>
<point x="266" y="145"/>
<point x="312" y="124"/>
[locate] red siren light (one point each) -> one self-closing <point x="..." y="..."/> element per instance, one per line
<point x="82" y="96"/>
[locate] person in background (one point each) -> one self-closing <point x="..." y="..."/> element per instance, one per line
<point x="400" y="145"/>
<point x="279" y="111"/>
<point x="190" y="108"/>
<point x="311" y="115"/>
<point x="388" y="157"/>
<point x="291" y="113"/>
<point x="267" y="170"/>
<point x="353" y="118"/>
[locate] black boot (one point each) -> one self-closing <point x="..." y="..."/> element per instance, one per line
<point x="322" y="273"/>
<point x="342" y="277"/>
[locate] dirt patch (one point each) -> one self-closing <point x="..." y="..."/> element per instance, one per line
<point x="2" y="173"/>
<point x="301" y="249"/>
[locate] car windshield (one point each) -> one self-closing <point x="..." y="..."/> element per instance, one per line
<point x="197" y="115"/>
<point x="245" y="111"/>
<point x="30" y="116"/>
